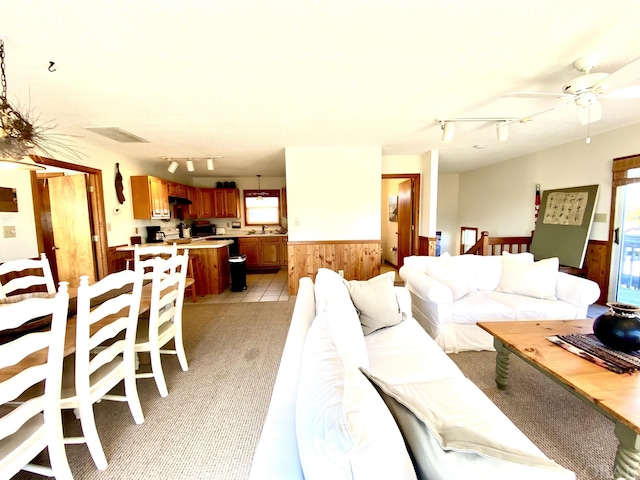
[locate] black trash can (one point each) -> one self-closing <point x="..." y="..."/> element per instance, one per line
<point x="238" y="267"/>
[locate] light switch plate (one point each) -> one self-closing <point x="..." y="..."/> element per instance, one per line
<point x="9" y="231"/>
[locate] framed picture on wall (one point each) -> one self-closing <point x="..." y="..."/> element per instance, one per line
<point x="393" y="209"/>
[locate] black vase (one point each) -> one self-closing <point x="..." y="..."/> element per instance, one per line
<point x="619" y="327"/>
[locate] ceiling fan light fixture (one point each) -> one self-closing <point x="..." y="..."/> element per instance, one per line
<point x="502" y="130"/>
<point x="173" y="166"/>
<point x="448" y="130"/>
<point x="190" y="166"/>
<point x="210" y="164"/>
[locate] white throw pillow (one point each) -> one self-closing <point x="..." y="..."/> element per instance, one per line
<point x="375" y="300"/>
<point x="522" y="276"/>
<point x="343" y="427"/>
<point x="476" y="436"/>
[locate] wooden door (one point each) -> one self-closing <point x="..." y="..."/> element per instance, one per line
<point x="405" y="220"/>
<point x="71" y="227"/>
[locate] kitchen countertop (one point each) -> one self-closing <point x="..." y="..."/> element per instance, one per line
<point x="245" y="234"/>
<point x="203" y="242"/>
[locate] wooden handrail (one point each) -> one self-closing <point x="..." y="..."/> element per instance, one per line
<point x="496" y="245"/>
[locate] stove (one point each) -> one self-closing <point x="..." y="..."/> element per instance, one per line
<point x="170" y="233"/>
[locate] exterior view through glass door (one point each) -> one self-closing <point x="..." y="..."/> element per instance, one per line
<point x="627" y="244"/>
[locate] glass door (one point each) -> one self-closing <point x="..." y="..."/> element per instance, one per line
<point x="626" y="245"/>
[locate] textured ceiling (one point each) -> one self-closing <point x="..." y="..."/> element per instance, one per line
<point x="245" y="79"/>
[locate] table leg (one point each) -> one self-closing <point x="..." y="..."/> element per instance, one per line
<point x="502" y="364"/>
<point x="628" y="453"/>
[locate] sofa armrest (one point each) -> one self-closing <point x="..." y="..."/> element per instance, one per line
<point x="404" y="300"/>
<point x="427" y="288"/>
<point x="576" y="290"/>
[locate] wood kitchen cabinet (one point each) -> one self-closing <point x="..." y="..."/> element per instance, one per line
<point x="205" y="202"/>
<point x="177" y="189"/>
<point x="269" y="251"/>
<point x="264" y="251"/>
<point x="149" y="197"/>
<point x="226" y="203"/>
<point x="191" y="211"/>
<point x="249" y="246"/>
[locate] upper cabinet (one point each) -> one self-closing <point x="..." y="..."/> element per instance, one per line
<point x="226" y="203"/>
<point x="149" y="197"/>
<point x="205" y="202"/>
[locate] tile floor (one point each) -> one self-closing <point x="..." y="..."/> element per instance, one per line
<point x="266" y="287"/>
<point x="261" y="287"/>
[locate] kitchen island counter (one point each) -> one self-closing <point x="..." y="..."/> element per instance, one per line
<point x="210" y="263"/>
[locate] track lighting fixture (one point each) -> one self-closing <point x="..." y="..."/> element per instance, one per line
<point x="502" y="130"/>
<point x="190" y="162"/>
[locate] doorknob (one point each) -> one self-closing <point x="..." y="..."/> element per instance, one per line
<point x="616" y="236"/>
<point x="54" y="248"/>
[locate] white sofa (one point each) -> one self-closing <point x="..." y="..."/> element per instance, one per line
<point x="450" y="294"/>
<point x="327" y="420"/>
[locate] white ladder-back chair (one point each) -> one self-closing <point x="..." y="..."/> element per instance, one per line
<point x="164" y="251"/>
<point x="27" y="428"/>
<point x="165" y="315"/>
<point x="104" y="357"/>
<point x="29" y="280"/>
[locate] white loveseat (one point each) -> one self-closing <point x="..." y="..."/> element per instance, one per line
<point x="450" y="294"/>
<point x="326" y="419"/>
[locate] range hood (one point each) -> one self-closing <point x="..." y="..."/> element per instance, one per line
<point x="179" y="200"/>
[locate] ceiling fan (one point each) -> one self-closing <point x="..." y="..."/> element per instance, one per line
<point x="587" y="89"/>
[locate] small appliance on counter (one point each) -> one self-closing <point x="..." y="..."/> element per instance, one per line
<point x="154" y="235"/>
<point x="202" y="229"/>
<point x="221" y="231"/>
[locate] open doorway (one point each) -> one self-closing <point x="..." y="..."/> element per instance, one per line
<point x="77" y="246"/>
<point x="400" y="213"/>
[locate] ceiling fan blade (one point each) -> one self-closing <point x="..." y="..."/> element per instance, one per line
<point x="590" y="113"/>
<point x="536" y="95"/>
<point x="620" y="78"/>
<point x="623" y="93"/>
<point x="528" y="118"/>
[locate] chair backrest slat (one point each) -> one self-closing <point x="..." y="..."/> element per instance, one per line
<point x="30" y="278"/>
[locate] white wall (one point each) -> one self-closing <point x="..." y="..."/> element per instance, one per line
<point x="447" y="213"/>
<point x="25" y="244"/>
<point x="333" y="193"/>
<point x="500" y="198"/>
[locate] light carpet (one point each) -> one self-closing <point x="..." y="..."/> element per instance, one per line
<point x="209" y="425"/>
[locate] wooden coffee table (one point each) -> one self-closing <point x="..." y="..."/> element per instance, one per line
<point x="616" y="396"/>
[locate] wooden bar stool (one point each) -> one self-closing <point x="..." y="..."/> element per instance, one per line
<point x="191" y="282"/>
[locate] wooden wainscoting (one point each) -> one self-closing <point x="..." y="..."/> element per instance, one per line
<point x="360" y="259"/>
<point x="596" y="266"/>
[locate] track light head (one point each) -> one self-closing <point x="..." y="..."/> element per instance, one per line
<point x="190" y="166"/>
<point x="502" y="130"/>
<point x="173" y="166"/>
<point x="210" y="164"/>
<point x="447" y="131"/>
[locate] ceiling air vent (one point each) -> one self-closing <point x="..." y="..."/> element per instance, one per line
<point x="117" y="134"/>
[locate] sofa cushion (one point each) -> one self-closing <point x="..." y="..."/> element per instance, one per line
<point x="520" y="275"/>
<point x="332" y="297"/>
<point x="453" y="430"/>
<point x="343" y="427"/>
<point x="455" y="278"/>
<point x="375" y="300"/>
